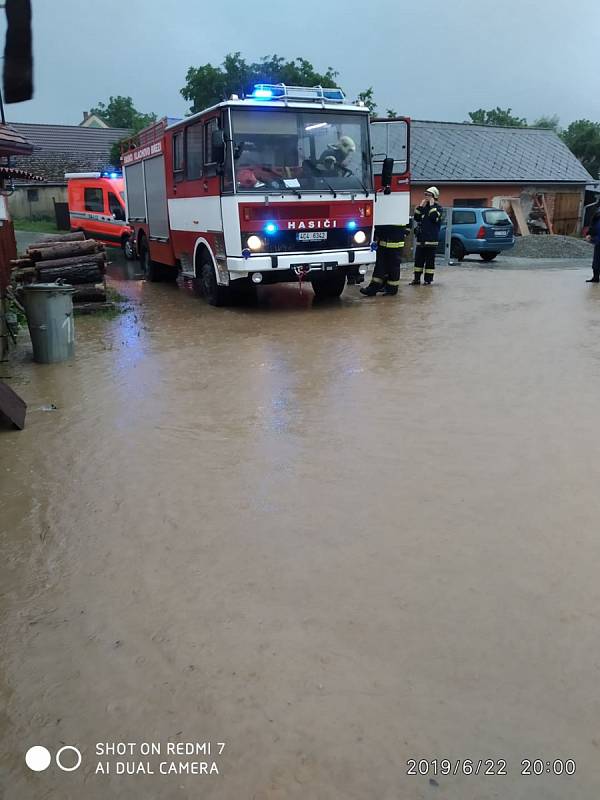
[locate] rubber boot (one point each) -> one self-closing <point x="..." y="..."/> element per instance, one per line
<point x="416" y="281"/>
<point x="595" y="278"/>
<point x="428" y="280"/>
<point x="390" y="291"/>
<point x="372" y="289"/>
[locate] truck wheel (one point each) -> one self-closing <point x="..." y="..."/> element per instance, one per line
<point x="150" y="268"/>
<point x="328" y="285"/>
<point x="457" y="250"/>
<point x="214" y="294"/>
<point x="488" y="256"/>
<point x="128" y="250"/>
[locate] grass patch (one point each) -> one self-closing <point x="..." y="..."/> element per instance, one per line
<point x="36" y="225"/>
<point x="113" y="296"/>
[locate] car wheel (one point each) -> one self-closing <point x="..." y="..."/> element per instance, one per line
<point x="214" y="294"/>
<point x="488" y="256"/>
<point x="328" y="286"/>
<point x="457" y="250"/>
<point x="149" y="267"/>
<point x="128" y="250"/>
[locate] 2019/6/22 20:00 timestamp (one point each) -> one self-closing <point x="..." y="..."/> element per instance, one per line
<point x="489" y="766"/>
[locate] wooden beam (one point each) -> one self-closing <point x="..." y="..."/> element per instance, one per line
<point x="12" y="406"/>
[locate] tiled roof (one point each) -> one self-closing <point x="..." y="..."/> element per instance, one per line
<point x="454" y="151"/>
<point x="66" y="148"/>
<point x="13" y="142"/>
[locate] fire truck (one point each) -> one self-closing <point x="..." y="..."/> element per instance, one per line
<point x="276" y="187"/>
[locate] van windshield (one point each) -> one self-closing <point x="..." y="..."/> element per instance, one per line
<point x="288" y="151"/>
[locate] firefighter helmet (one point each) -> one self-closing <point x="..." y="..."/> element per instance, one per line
<point x="346" y="145"/>
<point x="434" y="191"/>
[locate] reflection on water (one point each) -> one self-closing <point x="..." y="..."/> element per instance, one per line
<point x="305" y="528"/>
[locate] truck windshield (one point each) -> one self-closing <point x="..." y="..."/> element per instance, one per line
<point x="291" y="151"/>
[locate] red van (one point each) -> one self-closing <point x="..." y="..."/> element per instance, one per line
<point x="97" y="207"/>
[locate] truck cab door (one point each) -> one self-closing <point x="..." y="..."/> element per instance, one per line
<point x="390" y="138"/>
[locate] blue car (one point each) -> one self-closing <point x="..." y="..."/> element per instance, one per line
<point x="485" y="231"/>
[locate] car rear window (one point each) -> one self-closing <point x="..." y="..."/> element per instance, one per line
<point x="463" y="217"/>
<point x="496" y="218"/>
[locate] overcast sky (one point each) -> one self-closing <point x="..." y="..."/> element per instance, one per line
<point x="434" y="59"/>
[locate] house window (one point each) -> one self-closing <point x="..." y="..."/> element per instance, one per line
<point x="32" y="195"/>
<point x="478" y="202"/>
<point x="463" y="218"/>
<point x="94" y="200"/>
<point x="178" y="156"/>
<point x="193" y="145"/>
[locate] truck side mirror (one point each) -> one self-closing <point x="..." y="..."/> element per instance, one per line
<point x="218" y="146"/>
<point x="386" y="174"/>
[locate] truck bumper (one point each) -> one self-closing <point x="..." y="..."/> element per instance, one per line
<point x="242" y="267"/>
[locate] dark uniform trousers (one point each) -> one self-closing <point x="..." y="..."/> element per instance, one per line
<point x="425" y="261"/>
<point x="387" y="263"/>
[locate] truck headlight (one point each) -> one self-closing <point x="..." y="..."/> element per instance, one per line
<point x="360" y="237"/>
<point x="255" y="242"/>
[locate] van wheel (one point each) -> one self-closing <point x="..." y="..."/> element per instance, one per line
<point x="150" y="268"/>
<point x="208" y="287"/>
<point x="128" y="250"/>
<point x="457" y="250"/>
<point x="488" y="256"/>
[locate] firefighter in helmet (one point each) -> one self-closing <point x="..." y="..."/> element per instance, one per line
<point x="428" y="216"/>
<point x="386" y="275"/>
<point x="333" y="159"/>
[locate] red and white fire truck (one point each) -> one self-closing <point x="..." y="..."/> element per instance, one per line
<point x="276" y="187"/>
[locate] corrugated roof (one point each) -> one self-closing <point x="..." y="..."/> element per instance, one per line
<point x="66" y="148"/>
<point x="455" y="151"/>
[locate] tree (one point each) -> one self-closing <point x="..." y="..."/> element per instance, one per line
<point x="390" y="113"/>
<point x="207" y="85"/>
<point x="119" y="112"/>
<point x="497" y="116"/>
<point x="582" y="137"/>
<point x="547" y="121"/>
<point x="367" y="98"/>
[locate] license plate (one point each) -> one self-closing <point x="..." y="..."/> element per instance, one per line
<point x="500" y="233"/>
<point x="311" y="236"/>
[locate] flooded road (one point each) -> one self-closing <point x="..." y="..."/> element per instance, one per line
<point x="334" y="537"/>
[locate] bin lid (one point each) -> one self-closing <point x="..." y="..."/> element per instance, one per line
<point x="49" y="287"/>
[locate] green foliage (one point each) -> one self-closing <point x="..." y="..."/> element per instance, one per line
<point x="390" y="113"/>
<point x="368" y="99"/>
<point x="120" y="112"/>
<point x="207" y="85"/>
<point x="547" y="121"/>
<point x="582" y="137"/>
<point x="497" y="116"/>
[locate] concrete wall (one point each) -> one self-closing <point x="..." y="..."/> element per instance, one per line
<point x="22" y="204"/>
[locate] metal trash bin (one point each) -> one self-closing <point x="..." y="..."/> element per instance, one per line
<point x="49" y="311"/>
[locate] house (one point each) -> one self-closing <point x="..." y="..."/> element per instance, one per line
<point x="520" y="169"/>
<point x="92" y="121"/>
<point x="58" y="149"/>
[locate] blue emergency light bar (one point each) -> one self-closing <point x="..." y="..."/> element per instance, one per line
<point x="111" y="173"/>
<point x="279" y="91"/>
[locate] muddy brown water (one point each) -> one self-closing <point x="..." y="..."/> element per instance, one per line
<point x="333" y="537"/>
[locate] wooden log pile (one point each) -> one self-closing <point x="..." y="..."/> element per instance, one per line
<point x="68" y="258"/>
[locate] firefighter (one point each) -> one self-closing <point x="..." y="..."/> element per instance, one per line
<point x="593" y="236"/>
<point x="428" y="216"/>
<point x="386" y="275"/>
<point x="333" y="158"/>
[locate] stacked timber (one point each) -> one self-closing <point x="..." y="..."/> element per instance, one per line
<point x="66" y="258"/>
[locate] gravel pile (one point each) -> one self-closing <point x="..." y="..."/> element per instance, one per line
<point x="546" y="246"/>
